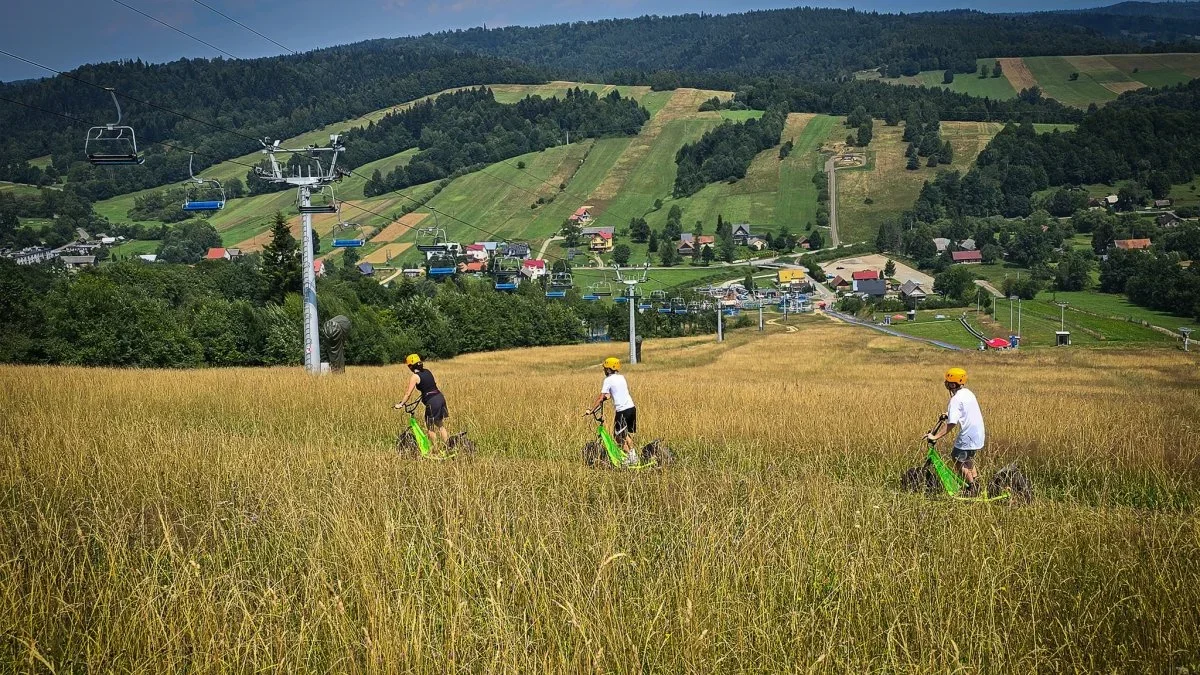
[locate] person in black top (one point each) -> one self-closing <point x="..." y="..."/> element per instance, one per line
<point x="423" y="381"/>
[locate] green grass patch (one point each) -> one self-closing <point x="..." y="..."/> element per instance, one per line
<point x="132" y="248"/>
<point x="1053" y="75"/>
<point x="945" y="330"/>
<point x="40" y="162"/>
<point x="20" y="189"/>
<point x="1114" y="307"/>
<point x="741" y="115"/>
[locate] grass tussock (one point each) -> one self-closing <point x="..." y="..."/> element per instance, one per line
<point x="239" y="520"/>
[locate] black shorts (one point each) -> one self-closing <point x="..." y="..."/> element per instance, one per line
<point x="625" y="422"/>
<point x="962" y="455"/>
<point x="436" y="411"/>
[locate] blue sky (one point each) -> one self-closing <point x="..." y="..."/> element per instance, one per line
<point x="66" y="33"/>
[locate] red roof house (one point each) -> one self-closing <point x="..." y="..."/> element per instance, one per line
<point x="866" y="275"/>
<point x="534" y="268"/>
<point x="472" y="267"/>
<point x="1132" y="244"/>
<point x="582" y="214"/>
<point x="319" y="267"/>
<point x="217" y="254"/>
<point x="967" y="257"/>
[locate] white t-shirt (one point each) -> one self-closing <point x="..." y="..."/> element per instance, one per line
<point x="618" y="390"/>
<point x="964" y="411"/>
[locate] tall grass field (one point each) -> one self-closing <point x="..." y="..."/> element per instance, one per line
<point x="239" y="520"/>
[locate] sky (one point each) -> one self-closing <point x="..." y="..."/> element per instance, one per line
<point x="64" y="34"/>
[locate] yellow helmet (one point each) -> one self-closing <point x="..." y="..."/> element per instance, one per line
<point x="412" y="360"/>
<point x="957" y="376"/>
<point x="611" y="363"/>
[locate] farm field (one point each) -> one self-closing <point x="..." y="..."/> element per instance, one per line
<point x="211" y="516"/>
<point x="1101" y="78"/>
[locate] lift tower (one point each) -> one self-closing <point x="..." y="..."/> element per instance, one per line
<point x="306" y="182"/>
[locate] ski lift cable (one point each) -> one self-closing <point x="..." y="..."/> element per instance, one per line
<point x="164" y="23"/>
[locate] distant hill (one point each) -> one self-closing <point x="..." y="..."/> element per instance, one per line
<point x="820" y="43"/>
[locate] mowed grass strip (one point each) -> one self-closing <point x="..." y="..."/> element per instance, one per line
<point x="890" y="186"/>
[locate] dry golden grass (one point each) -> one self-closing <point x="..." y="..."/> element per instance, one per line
<point x="244" y="520"/>
<point x="1017" y="73"/>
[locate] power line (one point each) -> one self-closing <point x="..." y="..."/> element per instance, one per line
<point x="164" y="23"/>
<point x="220" y="13"/>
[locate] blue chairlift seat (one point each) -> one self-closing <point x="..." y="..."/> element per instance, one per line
<point x="440" y="271"/>
<point x="556" y="294"/>
<point x="207" y="205"/>
<point x="620" y="299"/>
<point x="592" y="297"/>
<point x="319" y="208"/>
<point x="664" y="310"/>
<point x="506" y="285"/>
<point x="347" y="243"/>
<point x="645" y="306"/>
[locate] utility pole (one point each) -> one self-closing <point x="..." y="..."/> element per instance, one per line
<point x="720" y="323"/>
<point x="1018" y="317"/>
<point x="1062" y="314"/>
<point x="760" y="316"/>
<point x="631" y="299"/>
<point x="322" y="180"/>
<point x="1010" y="312"/>
<point x="1186" y="332"/>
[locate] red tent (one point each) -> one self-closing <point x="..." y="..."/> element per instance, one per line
<point x="998" y="343"/>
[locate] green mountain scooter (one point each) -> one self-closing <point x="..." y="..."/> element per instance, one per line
<point x="605" y="453"/>
<point x="413" y="442"/>
<point x="934" y="477"/>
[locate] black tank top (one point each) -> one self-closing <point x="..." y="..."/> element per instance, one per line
<point x="426" y="384"/>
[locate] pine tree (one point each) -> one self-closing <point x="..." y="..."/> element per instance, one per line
<point x="652" y="242"/>
<point x="281" y="261"/>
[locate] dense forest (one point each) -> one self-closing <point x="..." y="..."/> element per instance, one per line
<point x="469" y="128"/>
<point x="275" y="97"/>
<point x="724" y="153"/>
<point x="805" y="42"/>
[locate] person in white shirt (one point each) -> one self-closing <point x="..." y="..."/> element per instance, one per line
<point x="964" y="415"/>
<point x="616" y="389"/>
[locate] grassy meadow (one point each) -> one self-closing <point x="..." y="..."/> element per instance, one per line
<point x="257" y="519"/>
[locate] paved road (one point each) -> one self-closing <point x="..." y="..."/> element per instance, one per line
<point x="989" y="288"/>
<point x="831" y="170"/>
<point x="545" y="245"/>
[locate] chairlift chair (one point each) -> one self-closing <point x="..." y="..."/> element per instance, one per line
<point x="601" y="288"/>
<point x="508" y="273"/>
<point x="560" y="282"/>
<point x="113" y="144"/>
<point x="194" y="198"/>
<point x="678" y="306"/>
<point x="658" y="296"/>
<point x="431" y="239"/>
<point x="326" y="202"/>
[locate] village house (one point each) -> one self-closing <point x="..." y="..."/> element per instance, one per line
<point x="756" y="243"/>
<point x="319" y="267"/>
<point x="789" y="277"/>
<point x="600" y="239"/>
<point x="517" y="250"/>
<point x="686" y="246"/>
<point x="234" y="253"/>
<point x="76" y="262"/>
<point x="148" y="257"/>
<point x="216" y="254"/>
<point x="32" y="255"/>
<point x="866" y="275"/>
<point x="742" y="234"/>
<point x="1162" y="203"/>
<point x="582" y="215"/>
<point x="874" y="287"/>
<point x="534" y="269"/>
<point x="1168" y="219"/>
<point x="941" y="244"/>
<point x="473" y="267"/>
<point x="1132" y="244"/>
<point x="840" y="283"/>
<point x="967" y="244"/>
<point x="967" y="257"/>
<point x="911" y="290"/>
<point x="476" y="253"/>
<point x="366" y="269"/>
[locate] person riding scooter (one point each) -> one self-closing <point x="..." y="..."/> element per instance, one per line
<point x="615" y="388"/>
<point x="964" y="415"/>
<point x="436" y="412"/>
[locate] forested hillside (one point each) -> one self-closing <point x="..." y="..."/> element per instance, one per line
<point x="803" y="42"/>
<point x="228" y="105"/>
